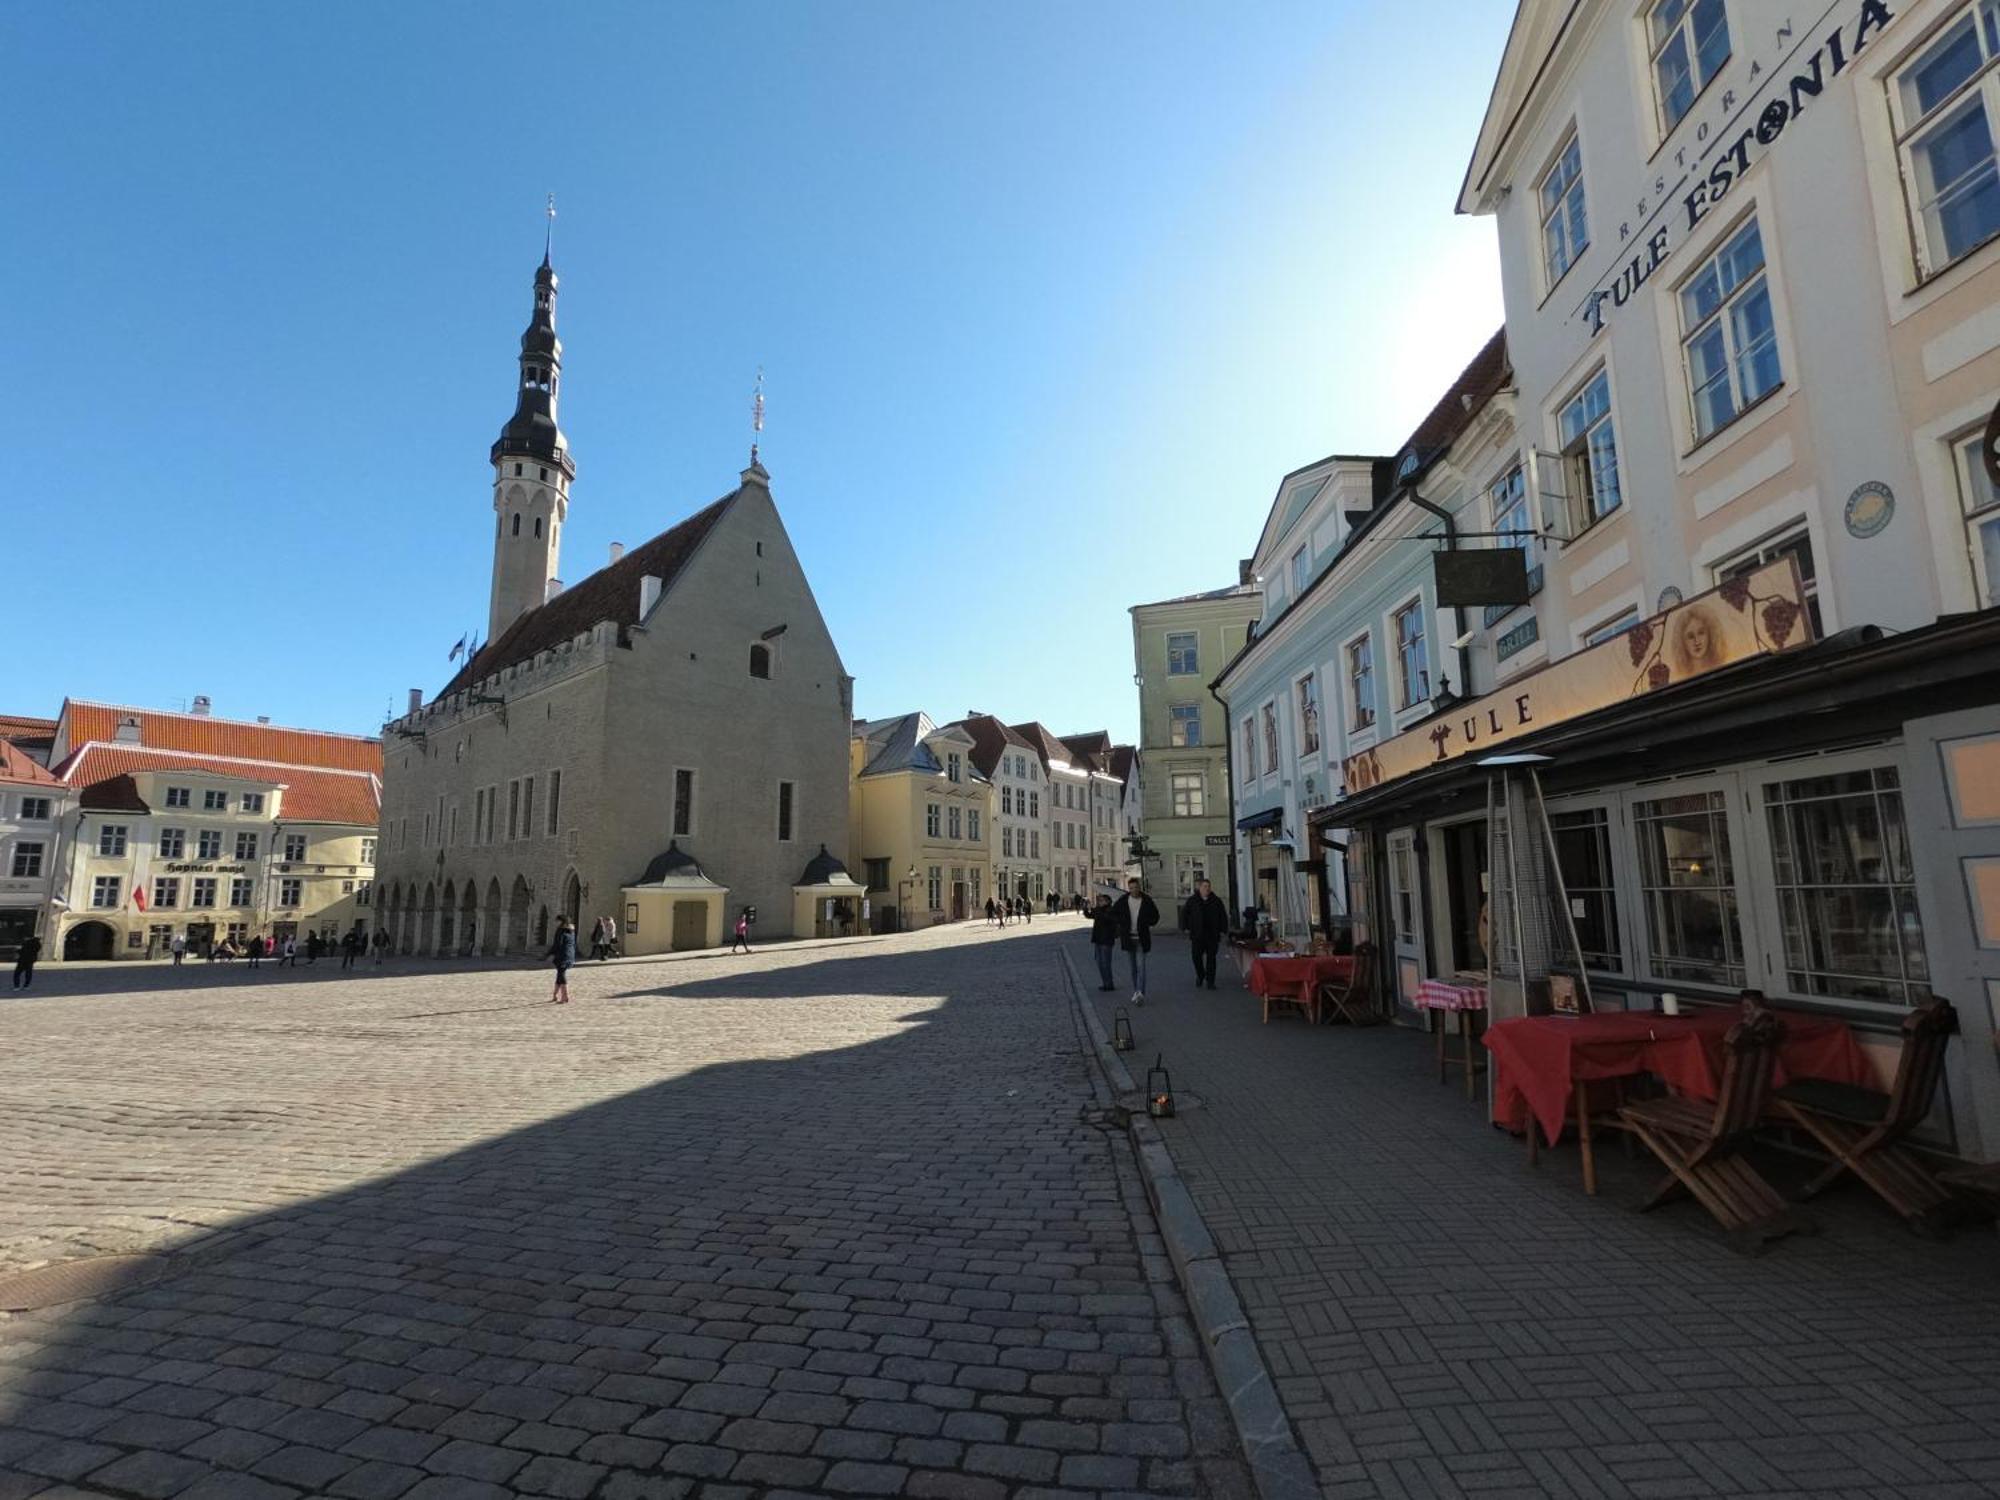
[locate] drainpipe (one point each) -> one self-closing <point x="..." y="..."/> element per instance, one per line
<point x="1457" y="611"/>
<point x="1229" y="794"/>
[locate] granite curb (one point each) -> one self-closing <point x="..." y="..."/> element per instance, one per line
<point x="1278" y="1466"/>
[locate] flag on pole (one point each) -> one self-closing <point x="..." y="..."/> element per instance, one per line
<point x="139" y="896"/>
<point x="458" y="650"/>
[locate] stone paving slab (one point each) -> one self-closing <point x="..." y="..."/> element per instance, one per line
<point x="1443" y="1320"/>
<point x="805" y="1223"/>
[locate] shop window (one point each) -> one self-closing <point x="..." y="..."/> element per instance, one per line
<point x="1846" y="883"/>
<point x="1687" y="885"/>
<point x="1796" y="545"/>
<point x="1190" y="796"/>
<point x="1590" y="454"/>
<point x="1945" y="103"/>
<point x="1690" y="43"/>
<point x="1413" y="666"/>
<point x="1981" y="503"/>
<point x="1729" y="343"/>
<point x="1183" y="654"/>
<point x="1565" y="224"/>
<point x="1184" y="725"/>
<point x="1583" y="854"/>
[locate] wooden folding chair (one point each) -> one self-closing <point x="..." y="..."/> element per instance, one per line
<point x="1304" y="999"/>
<point x="1353" y="1000"/>
<point x="1701" y="1143"/>
<point x="1860" y="1127"/>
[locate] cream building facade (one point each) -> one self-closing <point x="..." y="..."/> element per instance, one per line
<point x="1021" y="848"/>
<point x="922" y="820"/>
<point x="683" y="704"/>
<point x="1178" y="647"/>
<point x="187" y="825"/>
<point x="34" y="806"/>
<point x="1062" y="805"/>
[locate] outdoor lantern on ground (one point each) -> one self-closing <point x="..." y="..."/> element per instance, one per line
<point x="1159" y="1090"/>
<point x="1121" y="1031"/>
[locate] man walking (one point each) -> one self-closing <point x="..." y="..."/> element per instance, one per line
<point x="1135" y="917"/>
<point x="562" y="953"/>
<point x="24" y="961"/>
<point x="1206" y="922"/>
<point x="179" y="948"/>
<point x="1104" y="940"/>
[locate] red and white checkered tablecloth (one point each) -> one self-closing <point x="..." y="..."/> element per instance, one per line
<point x="1439" y="994"/>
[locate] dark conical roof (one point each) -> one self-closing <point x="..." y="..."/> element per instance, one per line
<point x="820" y="869"/>
<point x="671" y="862"/>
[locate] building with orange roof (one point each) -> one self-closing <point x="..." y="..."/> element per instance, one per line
<point x="33" y="806"/>
<point x="208" y="829"/>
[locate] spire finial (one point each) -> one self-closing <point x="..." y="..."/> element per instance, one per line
<point x="549" y="238"/>
<point x="756" y="415"/>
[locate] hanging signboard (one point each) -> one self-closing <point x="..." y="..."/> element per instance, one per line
<point x="1754" y="614"/>
<point x="1485" y="575"/>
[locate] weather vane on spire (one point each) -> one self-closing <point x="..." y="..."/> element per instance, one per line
<point x="549" y="243"/>
<point x="756" y="414"/>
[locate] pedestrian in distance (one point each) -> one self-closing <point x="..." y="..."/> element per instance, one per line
<point x="742" y="939"/>
<point x="349" y="947"/>
<point x="610" y="937"/>
<point x="597" y="939"/>
<point x="1136" y="916"/>
<point x="381" y="946"/>
<point x="1206" y="922"/>
<point x="990" y="922"/>
<point x="290" y="960"/>
<point x="179" y="948"/>
<point x="255" y="950"/>
<point x="1104" y="941"/>
<point x="24" y="961"/>
<point x="562" y="953"/>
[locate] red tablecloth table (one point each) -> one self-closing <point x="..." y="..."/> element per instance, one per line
<point x="1464" y="998"/>
<point x="1542" y="1064"/>
<point x="1284" y="976"/>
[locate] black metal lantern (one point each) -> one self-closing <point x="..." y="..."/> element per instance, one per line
<point x="1159" y="1090"/>
<point x="1122" y="1039"/>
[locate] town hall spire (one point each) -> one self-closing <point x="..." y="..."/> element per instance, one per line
<point x="532" y="467"/>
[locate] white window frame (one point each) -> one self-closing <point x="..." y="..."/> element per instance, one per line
<point x="1192" y="667"/>
<point x="1301" y="570"/>
<point x="26" y="853"/>
<point x="291" y="891"/>
<point x="1969" y="473"/>
<point x="246" y="845"/>
<point x="1613" y="625"/>
<point x="253" y="802"/>
<point x="173" y="843"/>
<point x="106" y="892"/>
<point x="1571" y="204"/>
<point x="1581" y="488"/>
<point x="1180" y="717"/>
<point x="202" y="886"/>
<point x="1980" y="91"/>
<point x="180" y="796"/>
<point x="933" y="820"/>
<point x="1407" y="701"/>
<point x="35" y="809"/>
<point x="1187" y="801"/>
<point x="166" y="893"/>
<point x="1363" y="719"/>
<point x="242" y="891"/>
<point x="111" y="839"/>
<point x="1768" y="548"/>
<point x="1722" y="318"/>
<point x="1683" y="27"/>
<point x="295" y="841"/>
<point x="214" y="801"/>
<point x="208" y="843"/>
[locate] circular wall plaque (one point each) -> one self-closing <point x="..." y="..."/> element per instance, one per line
<point x="1669" y="597"/>
<point x="1869" y="509"/>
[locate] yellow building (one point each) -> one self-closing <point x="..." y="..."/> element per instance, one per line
<point x="922" y="821"/>
<point x="184" y="826"/>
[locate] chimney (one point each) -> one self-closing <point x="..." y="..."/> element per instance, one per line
<point x="127" y="732"/>
<point x="649" y="594"/>
<point x="617" y="551"/>
<point x="416" y="699"/>
<point x="1245" y="575"/>
<point x="555" y="587"/>
<point x="201" y="705"/>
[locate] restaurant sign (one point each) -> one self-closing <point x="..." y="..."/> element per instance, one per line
<point x="1751" y="615"/>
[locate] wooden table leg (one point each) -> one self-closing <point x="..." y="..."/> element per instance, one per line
<point x="1442" y="1023"/>
<point x="1583" y="1139"/>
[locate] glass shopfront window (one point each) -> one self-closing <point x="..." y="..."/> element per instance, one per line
<point x="1583" y="852"/>
<point x="1846" y="887"/>
<point x="1687" y="884"/>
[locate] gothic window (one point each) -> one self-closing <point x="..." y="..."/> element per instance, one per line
<point x="760" y="660"/>
<point x="538" y="525"/>
<point x="517" y="523"/>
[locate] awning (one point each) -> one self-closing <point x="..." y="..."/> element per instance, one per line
<point x="1270" y="817"/>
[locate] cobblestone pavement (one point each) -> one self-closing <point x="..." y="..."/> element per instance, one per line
<point x="820" y="1222"/>
<point x="1443" y="1320"/>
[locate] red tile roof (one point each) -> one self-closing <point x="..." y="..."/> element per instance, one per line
<point x="203" y="734"/>
<point x="26" y="727"/>
<point x="611" y="593"/>
<point x="312" y="795"/>
<point x="17" y="767"/>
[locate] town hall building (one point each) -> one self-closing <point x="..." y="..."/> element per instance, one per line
<point x="663" y="743"/>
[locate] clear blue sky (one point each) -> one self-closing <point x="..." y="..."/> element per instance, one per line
<point x="1048" y="296"/>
